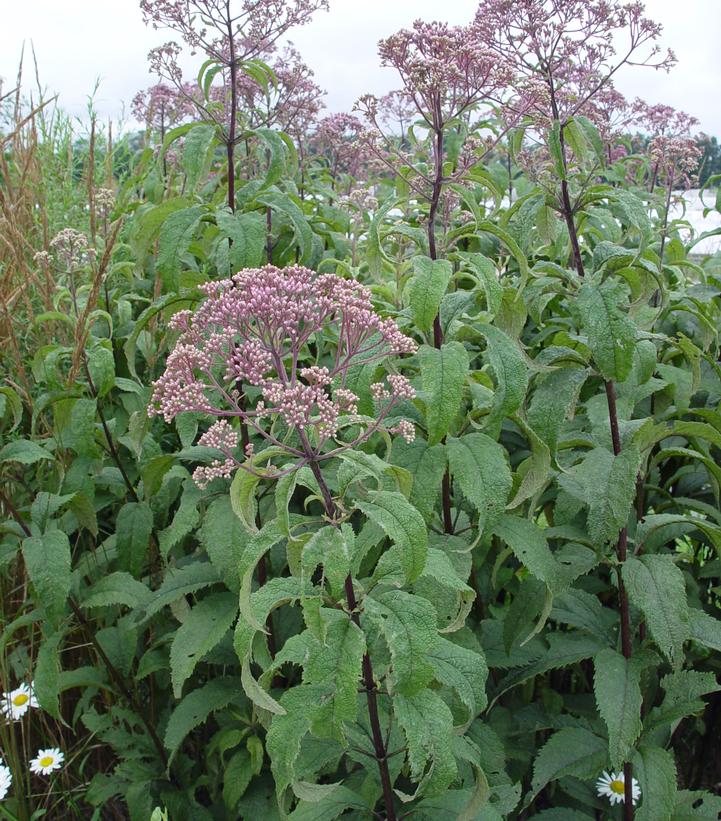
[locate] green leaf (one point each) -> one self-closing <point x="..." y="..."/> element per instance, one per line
<point x="47" y="561"/>
<point x="530" y="547"/>
<point x="427" y="724"/>
<point x="463" y="670"/>
<point x="46" y="680"/>
<point x="185" y="520"/>
<point x="273" y="594"/>
<point x="487" y="274"/>
<point x="198" y="148"/>
<point x="246" y="233"/>
<point x="571" y="751"/>
<point x="257" y="547"/>
<point x="655" y="770"/>
<point x="25" y="452"/>
<point x="337" y="662"/>
<point x="204" y="627"/>
<point x="175" y="236"/>
<point x="427" y="466"/>
<point x="617" y="687"/>
<point x="511" y="373"/>
<point x="403" y="524"/>
<point x="443" y="375"/>
<point x="656" y="586"/>
<point x="408" y="624"/>
<point x="429" y="284"/>
<point x="331" y="807"/>
<point x="553" y="402"/>
<point x="242" y="498"/>
<point x="195" y="708"/>
<point x="611" y="334"/>
<point x="224" y="538"/>
<point x="179" y="582"/>
<point x="705" y="629"/>
<point x="134" y="525"/>
<point x="331" y="547"/>
<point x="480" y="467"/>
<point x="119" y="588"/>
<point x="610" y="488"/>
<point x="301" y="705"/>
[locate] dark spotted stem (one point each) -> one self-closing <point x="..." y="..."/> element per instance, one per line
<point x="622" y="543"/>
<point x="437" y="330"/>
<point x="369" y="683"/>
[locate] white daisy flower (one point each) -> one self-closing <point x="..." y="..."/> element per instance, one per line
<point x="6" y="779"/>
<point x="17" y="702"/>
<point x="46" y="761"/>
<point x="613" y="787"/>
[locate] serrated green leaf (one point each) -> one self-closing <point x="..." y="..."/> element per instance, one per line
<point x="195" y="708"/>
<point x="134" y="525"/>
<point x="337" y="662"/>
<point x="656" y="586"/>
<point x="429" y="284"/>
<point x="403" y="524"/>
<point x="611" y="334"/>
<point x="443" y="374"/>
<point x="571" y="751"/>
<point x="463" y="670"/>
<point x="510" y="371"/>
<point x="553" y="401"/>
<point x="480" y="467"/>
<point x="47" y="561"/>
<point x="427" y="724"/>
<point x="530" y="547"/>
<point x="25" y="452"/>
<point x="616" y="684"/>
<point x="224" y="538"/>
<point x="203" y="628"/>
<point x="408" y="625"/>
<point x="118" y="588"/>
<point x="655" y="770"/>
<point x="427" y="466"/>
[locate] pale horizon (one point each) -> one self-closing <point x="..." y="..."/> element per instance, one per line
<point x="79" y="41"/>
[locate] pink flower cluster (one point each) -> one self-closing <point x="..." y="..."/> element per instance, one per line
<point x="675" y="158"/>
<point x="259" y="328"/>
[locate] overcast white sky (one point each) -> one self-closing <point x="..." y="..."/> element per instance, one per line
<point x="77" y="41"/>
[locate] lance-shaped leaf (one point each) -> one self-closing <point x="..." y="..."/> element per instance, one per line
<point x="331" y="547"/>
<point x="611" y="334"/>
<point x="464" y="671"/>
<point x="487" y="274"/>
<point x="553" y="402"/>
<point x="443" y="374"/>
<point x="133" y="527"/>
<point x="224" y="538"/>
<point x="610" y="487"/>
<point x="426" y="465"/>
<point x="480" y="467"/>
<point x="656" y="586"/>
<point x="408" y="624"/>
<point x="427" y="724"/>
<point x="655" y="770"/>
<point x="403" y="524"/>
<point x="47" y="561"/>
<point x="431" y="278"/>
<point x="195" y="708"/>
<point x="571" y="751"/>
<point x="510" y="371"/>
<point x="337" y="662"/>
<point x="530" y="546"/>
<point x="203" y="628"/>
<point x="286" y="732"/>
<point x="616" y="683"/>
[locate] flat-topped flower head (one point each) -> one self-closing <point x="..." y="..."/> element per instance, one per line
<point x="292" y="335"/>
<point x="47" y="761"/>
<point x="17" y="702"/>
<point x="613" y="787"/>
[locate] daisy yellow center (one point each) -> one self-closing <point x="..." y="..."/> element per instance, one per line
<point x="21" y="699"/>
<point x="617" y="787"/>
<point x="46" y="761"/>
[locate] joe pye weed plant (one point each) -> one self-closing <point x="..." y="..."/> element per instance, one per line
<point x="350" y="473"/>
